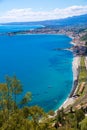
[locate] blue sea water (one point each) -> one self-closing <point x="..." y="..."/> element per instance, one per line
<point x="13" y="28"/>
<point x="44" y="71"/>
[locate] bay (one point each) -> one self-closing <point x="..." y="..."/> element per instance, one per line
<point x="44" y="71"/>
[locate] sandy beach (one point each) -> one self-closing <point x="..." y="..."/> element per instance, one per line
<point x="71" y="100"/>
<point x="75" y="67"/>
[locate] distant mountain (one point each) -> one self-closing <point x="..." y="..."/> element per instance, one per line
<point x="75" y="20"/>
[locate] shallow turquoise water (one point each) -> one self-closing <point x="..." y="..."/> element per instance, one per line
<point x="42" y="70"/>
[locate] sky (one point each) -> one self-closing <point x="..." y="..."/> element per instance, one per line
<point x="38" y="10"/>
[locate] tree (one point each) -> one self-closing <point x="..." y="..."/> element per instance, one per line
<point x="79" y="115"/>
<point x="60" y="116"/>
<point x="16" y="87"/>
<point x="35" y="115"/>
<point x="8" y="82"/>
<point x="8" y="96"/>
<point x="9" y="111"/>
<point x="83" y="124"/>
<point x="3" y="96"/>
<point x="26" y="99"/>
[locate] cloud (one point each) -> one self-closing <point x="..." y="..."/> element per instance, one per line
<point x="27" y="14"/>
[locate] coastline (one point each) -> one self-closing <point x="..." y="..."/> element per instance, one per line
<point x="70" y="99"/>
<point x="75" y="66"/>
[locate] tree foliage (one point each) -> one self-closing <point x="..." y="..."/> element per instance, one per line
<point x="16" y="115"/>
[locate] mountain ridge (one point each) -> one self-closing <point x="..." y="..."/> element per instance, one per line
<point x="74" y="20"/>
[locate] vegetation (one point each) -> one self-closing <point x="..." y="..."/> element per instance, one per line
<point x="84" y="37"/>
<point x="83" y="124"/>
<point x="16" y="115"/>
<point x="82" y="71"/>
<point x="82" y="78"/>
<point x="70" y="121"/>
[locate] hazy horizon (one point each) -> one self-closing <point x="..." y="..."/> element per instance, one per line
<point x="29" y="11"/>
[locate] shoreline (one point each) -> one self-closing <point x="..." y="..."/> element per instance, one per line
<point x="70" y="99"/>
<point x="75" y="66"/>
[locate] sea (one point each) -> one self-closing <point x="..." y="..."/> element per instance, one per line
<point x="40" y="62"/>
